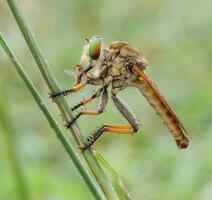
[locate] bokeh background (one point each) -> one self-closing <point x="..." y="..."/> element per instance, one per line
<point x="175" y="36"/>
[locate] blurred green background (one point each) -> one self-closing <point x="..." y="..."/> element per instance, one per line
<point x="175" y="36"/>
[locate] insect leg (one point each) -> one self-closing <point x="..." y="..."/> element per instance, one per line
<point x="125" y="112"/>
<point x="127" y="129"/>
<point x="101" y="107"/>
<point x="76" y="88"/>
<point x="107" y="128"/>
<point x="95" y="95"/>
<point x="80" y="72"/>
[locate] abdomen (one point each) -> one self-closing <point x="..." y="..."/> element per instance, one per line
<point x="157" y="101"/>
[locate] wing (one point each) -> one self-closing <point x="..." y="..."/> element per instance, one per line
<point x="70" y="72"/>
<point x="143" y="76"/>
<point x="135" y="60"/>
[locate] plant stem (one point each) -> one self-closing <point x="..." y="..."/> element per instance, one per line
<point x="61" y="102"/>
<point x="119" y="185"/>
<point x="43" y="65"/>
<point x="90" y="181"/>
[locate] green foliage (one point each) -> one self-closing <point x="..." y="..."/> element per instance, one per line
<point x="20" y="187"/>
<point x="175" y="36"/>
<point x="87" y="177"/>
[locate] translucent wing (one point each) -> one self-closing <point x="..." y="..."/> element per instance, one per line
<point x="70" y="72"/>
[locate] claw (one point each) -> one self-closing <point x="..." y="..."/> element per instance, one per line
<point x="89" y="142"/>
<point x="52" y="95"/>
<point x="76" y="106"/>
<point x="73" y="120"/>
<point x="85" y="147"/>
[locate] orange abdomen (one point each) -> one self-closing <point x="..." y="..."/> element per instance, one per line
<point x="157" y="101"/>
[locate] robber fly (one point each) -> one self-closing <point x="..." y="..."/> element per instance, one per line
<point x="120" y="65"/>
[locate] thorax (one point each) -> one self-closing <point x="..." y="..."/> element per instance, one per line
<point x="108" y="68"/>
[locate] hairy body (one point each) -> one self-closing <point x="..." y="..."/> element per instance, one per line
<point x="121" y="65"/>
<point x="113" y="66"/>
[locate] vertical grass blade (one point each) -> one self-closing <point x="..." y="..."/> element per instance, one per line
<point x="89" y="180"/>
<point x="119" y="185"/>
<point x="47" y="74"/>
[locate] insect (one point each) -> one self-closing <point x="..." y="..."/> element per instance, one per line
<point x="120" y="65"/>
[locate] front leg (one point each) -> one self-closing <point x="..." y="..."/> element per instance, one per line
<point x="76" y="88"/>
<point x="80" y="72"/>
<point x="101" y="108"/>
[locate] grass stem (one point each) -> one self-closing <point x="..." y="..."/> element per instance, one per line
<point x="48" y="76"/>
<point x="89" y="180"/>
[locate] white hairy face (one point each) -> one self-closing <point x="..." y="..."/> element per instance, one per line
<point x="98" y="64"/>
<point x="85" y="58"/>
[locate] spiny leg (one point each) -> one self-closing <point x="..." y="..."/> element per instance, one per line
<point x="76" y="88"/>
<point x="81" y="72"/>
<point x="101" y="108"/>
<point x="128" y="129"/>
<point x="95" y="95"/>
<point x="125" y="129"/>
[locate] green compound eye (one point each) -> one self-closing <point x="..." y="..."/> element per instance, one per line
<point x="95" y="47"/>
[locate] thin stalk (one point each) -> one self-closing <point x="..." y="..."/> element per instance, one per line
<point x="119" y="185"/>
<point x="12" y="154"/>
<point x="89" y="180"/>
<point x="61" y="102"/>
<point x="43" y="65"/>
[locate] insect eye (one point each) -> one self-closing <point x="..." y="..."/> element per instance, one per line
<point x="95" y="47"/>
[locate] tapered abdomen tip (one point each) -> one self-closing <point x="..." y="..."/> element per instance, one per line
<point x="182" y="144"/>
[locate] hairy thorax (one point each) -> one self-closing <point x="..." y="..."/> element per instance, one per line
<point x="109" y="69"/>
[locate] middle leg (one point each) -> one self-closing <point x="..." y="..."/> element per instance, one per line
<point x="101" y="107"/>
<point x="95" y="95"/>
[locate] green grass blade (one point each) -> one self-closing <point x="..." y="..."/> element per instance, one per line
<point x="43" y="66"/>
<point x="90" y="181"/>
<point x="119" y="186"/>
<point x="61" y="102"/>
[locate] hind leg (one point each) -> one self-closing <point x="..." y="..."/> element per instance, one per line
<point x="119" y="129"/>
